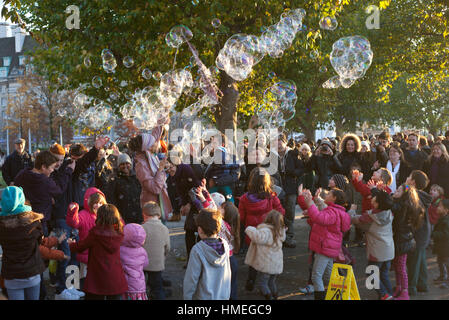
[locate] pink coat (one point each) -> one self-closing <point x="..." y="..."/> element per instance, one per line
<point x="328" y="226"/>
<point x="153" y="183"/>
<point x="83" y="221"/>
<point x="134" y="257"/>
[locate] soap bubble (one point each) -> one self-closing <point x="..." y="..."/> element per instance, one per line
<point x="314" y="54"/>
<point x="128" y="61"/>
<point x="271" y="75"/>
<point x="332" y="83"/>
<point x="109" y="62"/>
<point x="178" y="35"/>
<point x="157" y="75"/>
<point x="328" y="23"/>
<point x="62" y="79"/>
<point x="147" y="74"/>
<point x="216" y="23"/>
<point x="281" y="99"/>
<point x="87" y="62"/>
<point x="351" y="57"/>
<point x="323" y="69"/>
<point x="96" y="82"/>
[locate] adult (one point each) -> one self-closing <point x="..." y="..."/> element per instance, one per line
<point x="103" y="169"/>
<point x="150" y="170"/>
<point x="20" y="236"/>
<point x="39" y="188"/>
<point x="398" y="167"/>
<point x="305" y="154"/>
<point x="349" y="148"/>
<point x="367" y="159"/>
<point x="437" y="167"/>
<point x="324" y="163"/>
<point x="74" y="192"/>
<point x="123" y="191"/>
<point x="382" y="148"/>
<point x="446" y="140"/>
<point x="424" y="144"/>
<point x="430" y="140"/>
<point x="292" y="170"/>
<point x="185" y="179"/>
<point x="413" y="154"/>
<point x="16" y="162"/>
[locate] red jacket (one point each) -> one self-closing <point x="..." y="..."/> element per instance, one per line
<point x="365" y="191"/>
<point x="433" y="214"/>
<point x="253" y="210"/>
<point x="105" y="275"/>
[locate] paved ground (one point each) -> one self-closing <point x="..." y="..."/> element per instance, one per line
<point x="295" y="269"/>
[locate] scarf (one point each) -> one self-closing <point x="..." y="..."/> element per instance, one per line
<point x="394" y="172"/>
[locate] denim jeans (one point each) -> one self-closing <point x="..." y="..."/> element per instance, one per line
<point x="31" y="293"/>
<point x="234" y="270"/>
<point x="417" y="269"/>
<point x="384" y="281"/>
<point x="61" y="227"/>
<point x="267" y="283"/>
<point x="154" y="282"/>
<point x="289" y="218"/>
<point x="322" y="266"/>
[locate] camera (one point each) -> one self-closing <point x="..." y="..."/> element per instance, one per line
<point x="324" y="148"/>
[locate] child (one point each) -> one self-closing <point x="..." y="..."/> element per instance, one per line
<point x="265" y="252"/>
<point x="85" y="220"/>
<point x="381" y="179"/>
<point x="134" y="258"/>
<point x="328" y="226"/>
<point x="254" y="205"/>
<point x="440" y="235"/>
<point x="232" y="218"/>
<point x="377" y="224"/>
<point x="157" y="246"/>
<point x="105" y="276"/>
<point x="437" y="194"/>
<point x="208" y="274"/>
<point x="416" y="260"/>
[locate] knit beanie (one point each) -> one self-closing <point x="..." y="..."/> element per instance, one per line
<point x="13" y="201"/>
<point x="218" y="198"/>
<point x="124" y="157"/>
<point x="341" y="182"/>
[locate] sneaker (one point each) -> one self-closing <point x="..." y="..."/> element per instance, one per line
<point x="307" y="289"/>
<point x="75" y="292"/>
<point x="403" y="295"/>
<point x="66" y="295"/>
<point x="386" y="297"/>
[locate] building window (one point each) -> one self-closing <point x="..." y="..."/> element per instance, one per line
<point x="3" y="72"/>
<point x="6" y="61"/>
<point x="21" y="60"/>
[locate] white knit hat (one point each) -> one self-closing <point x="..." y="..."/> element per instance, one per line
<point x="218" y="198"/>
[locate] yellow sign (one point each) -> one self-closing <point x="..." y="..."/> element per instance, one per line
<point x="342" y="285"/>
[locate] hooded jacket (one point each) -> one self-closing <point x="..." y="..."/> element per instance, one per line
<point x="208" y="274"/>
<point x="402" y="229"/>
<point x="40" y="189"/>
<point x="157" y="244"/>
<point x="105" y="275"/>
<point x="264" y="254"/>
<point x="253" y="210"/>
<point x="328" y="226"/>
<point x="422" y="235"/>
<point x="83" y="221"/>
<point x="20" y="236"/>
<point x="134" y="257"/>
<point x="379" y="234"/>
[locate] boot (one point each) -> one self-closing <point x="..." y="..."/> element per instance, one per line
<point x="319" y="295"/>
<point x="403" y="295"/>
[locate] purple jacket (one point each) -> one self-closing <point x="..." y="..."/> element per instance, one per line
<point x="328" y="226"/>
<point x="134" y="257"/>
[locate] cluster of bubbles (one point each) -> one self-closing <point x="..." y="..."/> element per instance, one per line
<point x="279" y="104"/>
<point x="351" y="57"/>
<point x="109" y="62"/>
<point x="242" y="52"/>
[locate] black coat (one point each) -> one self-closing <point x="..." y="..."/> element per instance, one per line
<point x="346" y="160"/>
<point x="403" y="237"/>
<point x="15" y="163"/>
<point x="415" y="160"/>
<point x="294" y="170"/>
<point x="442" y="178"/>
<point x="20" y="237"/>
<point x="325" y="167"/>
<point x="440" y="236"/>
<point x="123" y="191"/>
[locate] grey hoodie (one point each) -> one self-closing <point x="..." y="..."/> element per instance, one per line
<point x="208" y="274"/>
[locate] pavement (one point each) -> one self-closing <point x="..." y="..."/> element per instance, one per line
<point x="295" y="273"/>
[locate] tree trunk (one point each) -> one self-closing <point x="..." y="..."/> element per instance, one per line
<point x="339" y="128"/>
<point x="226" y="114"/>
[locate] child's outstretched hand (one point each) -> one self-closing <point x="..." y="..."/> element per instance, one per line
<point x="73" y="206"/>
<point x="307" y="197"/>
<point x="371" y="184"/>
<point x="318" y="192"/>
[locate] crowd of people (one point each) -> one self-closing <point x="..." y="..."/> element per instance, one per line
<point x="105" y="210"/>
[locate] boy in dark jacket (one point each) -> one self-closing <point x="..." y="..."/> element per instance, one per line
<point x="16" y="162"/>
<point x="416" y="260"/>
<point x="440" y="236"/>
